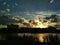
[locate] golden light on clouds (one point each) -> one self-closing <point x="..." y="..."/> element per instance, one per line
<point x="42" y="25"/>
<point x="39" y="24"/>
<point x="35" y="23"/>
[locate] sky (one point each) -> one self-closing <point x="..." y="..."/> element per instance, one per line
<point x="29" y="8"/>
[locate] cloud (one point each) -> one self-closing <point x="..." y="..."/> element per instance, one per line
<point x="32" y="15"/>
<point x="4" y="3"/>
<point x="16" y="4"/>
<point x="51" y="1"/>
<point x="22" y="20"/>
<point x="54" y="18"/>
<point x="8" y="10"/>
<point x="14" y="20"/>
<point x="5" y="19"/>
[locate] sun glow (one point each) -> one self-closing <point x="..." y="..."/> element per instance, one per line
<point x="41" y="24"/>
<point x="37" y="24"/>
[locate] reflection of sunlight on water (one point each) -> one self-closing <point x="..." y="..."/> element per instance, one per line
<point x="41" y="37"/>
<point x="44" y="37"/>
<point x="3" y="26"/>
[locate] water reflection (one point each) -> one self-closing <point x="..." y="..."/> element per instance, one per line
<point x="46" y="37"/>
<point x="40" y="37"/>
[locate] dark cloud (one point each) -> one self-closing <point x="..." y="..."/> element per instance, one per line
<point x="54" y="18"/>
<point x="7" y="19"/>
